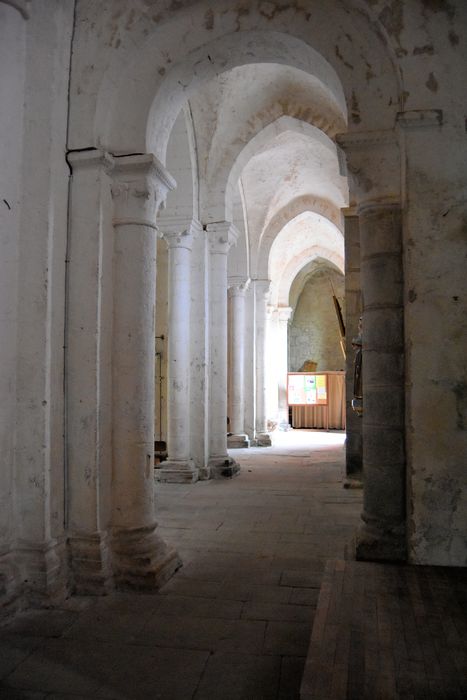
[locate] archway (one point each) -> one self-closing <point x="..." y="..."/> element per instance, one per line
<point x="128" y="105"/>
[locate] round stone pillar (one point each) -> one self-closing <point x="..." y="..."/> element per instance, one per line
<point x="263" y="438"/>
<point x="283" y="315"/>
<point x="179" y="467"/>
<point x="221" y="237"/>
<point x="236" y="295"/>
<point x="353" y="311"/>
<point x="383" y="535"/>
<point x="140" y="558"/>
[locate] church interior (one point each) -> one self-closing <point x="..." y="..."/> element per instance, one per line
<point x="201" y="203"/>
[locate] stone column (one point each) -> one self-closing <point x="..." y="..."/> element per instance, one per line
<point x="140" y="558"/>
<point x="375" y="188"/>
<point x="353" y="311"/>
<point x="33" y="224"/>
<point x="383" y="533"/>
<point x="179" y="467"/>
<point x="221" y="237"/>
<point x="89" y="371"/>
<point x="13" y="35"/>
<point x="263" y="438"/>
<point x="283" y="315"/>
<point x="435" y="248"/>
<point x="236" y="296"/>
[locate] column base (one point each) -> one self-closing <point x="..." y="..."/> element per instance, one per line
<point x="90" y="564"/>
<point x="176" y="472"/>
<point x="355" y="481"/>
<point x="379" y="544"/>
<point x="263" y="440"/>
<point x="204" y="473"/>
<point x="237" y="441"/>
<point x="9" y="585"/>
<point x="141" y="559"/>
<point x="223" y="468"/>
<point x="41" y="571"/>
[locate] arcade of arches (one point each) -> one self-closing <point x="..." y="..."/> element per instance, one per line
<point x="174" y="177"/>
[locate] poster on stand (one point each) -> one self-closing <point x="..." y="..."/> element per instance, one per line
<point x="307" y="389"/>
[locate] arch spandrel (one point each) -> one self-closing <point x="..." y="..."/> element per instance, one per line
<point x="128" y="88"/>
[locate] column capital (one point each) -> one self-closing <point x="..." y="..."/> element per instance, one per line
<point x="373" y="165"/>
<point x="262" y="286"/>
<point x="237" y="286"/>
<point x="140" y="186"/>
<point x="284" y="313"/>
<point x="221" y="236"/>
<point x="23" y="6"/>
<point x="349" y="212"/>
<point x="280" y="313"/>
<point x="179" y="234"/>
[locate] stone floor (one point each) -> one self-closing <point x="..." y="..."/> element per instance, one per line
<point x="235" y="621"/>
<point x="388" y="632"/>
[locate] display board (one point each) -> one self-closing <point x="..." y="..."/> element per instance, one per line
<point x="307" y="389"/>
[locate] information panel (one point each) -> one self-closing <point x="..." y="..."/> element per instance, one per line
<point x="307" y="389"/>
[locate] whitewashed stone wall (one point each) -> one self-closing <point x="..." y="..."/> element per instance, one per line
<point x="313" y="330"/>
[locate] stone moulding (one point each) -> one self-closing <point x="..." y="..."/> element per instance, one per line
<point x="91" y="158"/>
<point x="378" y="204"/>
<point x="419" y="118"/>
<point x="366" y="139"/>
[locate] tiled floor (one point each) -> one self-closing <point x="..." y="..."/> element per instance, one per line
<point x="235" y="621"/>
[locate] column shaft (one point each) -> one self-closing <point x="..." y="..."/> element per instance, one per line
<point x="221" y="237"/>
<point x="89" y="371"/>
<point x="353" y="311"/>
<point x="236" y="296"/>
<point x="263" y="438"/>
<point x="383" y="533"/>
<point x="141" y="558"/>
<point x="179" y="466"/>
<point x="283" y="316"/>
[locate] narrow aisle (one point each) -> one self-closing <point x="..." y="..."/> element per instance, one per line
<point x="255" y="547"/>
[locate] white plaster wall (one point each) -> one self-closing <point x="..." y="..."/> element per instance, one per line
<point x="313" y="330"/>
